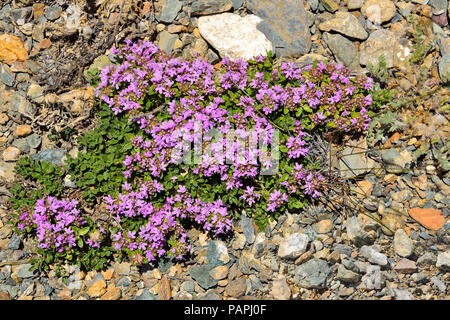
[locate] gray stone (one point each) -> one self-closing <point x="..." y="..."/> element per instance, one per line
<point x="403" y="245"/>
<point x="167" y="41"/>
<point x="343" y="249"/>
<point x="356" y="234"/>
<point x="442" y="39"/>
<point x="25" y="272"/>
<point x="393" y="159"/>
<point x="439" y="284"/>
<point x="443" y="261"/>
<point x="419" y="278"/>
<point x="314" y="4"/>
<point x="14" y="243"/>
<point x="188" y="286"/>
<point x="401" y="294"/>
<point x="20" y="15"/>
<point x="53" y="12"/>
<point x="206" y="7"/>
<point x="146" y="295"/>
<point x="347" y="276"/>
<point x="343" y="49"/>
<point x="373" y="279"/>
<point x="444" y="68"/>
<point x="352" y="164"/>
<point x="247" y="229"/>
<point x="217" y="254"/>
<point x="210" y="295"/>
<point x="6" y="75"/>
<point x="20" y="104"/>
<point x="237" y="4"/>
<point x="200" y="273"/>
<point x="380" y="42"/>
<point x="293" y="246"/>
<point x="345" y="23"/>
<point x="285" y="24"/>
<point x="170" y="11"/>
<point x="438" y="6"/>
<point x="34" y="140"/>
<point x="12" y="290"/>
<point x="312" y="274"/>
<point x="22" y="145"/>
<point x="53" y="156"/>
<point x="373" y="255"/>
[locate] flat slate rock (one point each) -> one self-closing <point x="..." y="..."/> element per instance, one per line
<point x="285" y="24"/>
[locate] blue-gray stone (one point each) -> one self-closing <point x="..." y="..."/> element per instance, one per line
<point x="312" y="274"/>
<point x="444" y="68"/>
<point x="314" y="4"/>
<point x="14" y="243"/>
<point x="47" y="290"/>
<point x="123" y="282"/>
<point x="164" y="265"/>
<point x="205" y="7"/>
<point x="201" y="275"/>
<point x="401" y="294"/>
<point x="170" y="11"/>
<point x="188" y="286"/>
<point x="167" y="41"/>
<point x="343" y="249"/>
<point x="20" y="15"/>
<point x="34" y="140"/>
<point x="53" y="156"/>
<point x="146" y="295"/>
<point x="210" y="296"/>
<point x="214" y="255"/>
<point x="53" y="12"/>
<point x="25" y="272"/>
<point x="439" y="284"/>
<point x="285" y="24"/>
<point x="343" y="49"/>
<point x="12" y="290"/>
<point x="237" y="4"/>
<point x="22" y="145"/>
<point x="438" y="7"/>
<point x="20" y="104"/>
<point x="6" y="75"/>
<point x="247" y="229"/>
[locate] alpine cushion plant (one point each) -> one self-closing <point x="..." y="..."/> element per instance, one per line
<point x="242" y="99"/>
<point x="207" y="144"/>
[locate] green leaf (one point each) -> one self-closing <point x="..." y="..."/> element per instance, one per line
<point x="84" y="231"/>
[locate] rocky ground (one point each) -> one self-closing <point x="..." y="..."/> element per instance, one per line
<point x="383" y="235"/>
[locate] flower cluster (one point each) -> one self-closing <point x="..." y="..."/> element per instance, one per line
<point x="240" y="102"/>
<point x="55" y="222"/>
<point x="235" y="116"/>
<point x="163" y="232"/>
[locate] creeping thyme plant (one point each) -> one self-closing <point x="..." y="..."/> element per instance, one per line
<point x="209" y="143"/>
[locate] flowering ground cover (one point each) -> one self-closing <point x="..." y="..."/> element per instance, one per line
<point x="204" y="144"/>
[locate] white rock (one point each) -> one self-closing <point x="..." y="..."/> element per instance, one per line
<point x="234" y="36"/>
<point x="403" y="245"/>
<point x="443" y="260"/>
<point x="293" y="246"/>
<point x="373" y="256"/>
